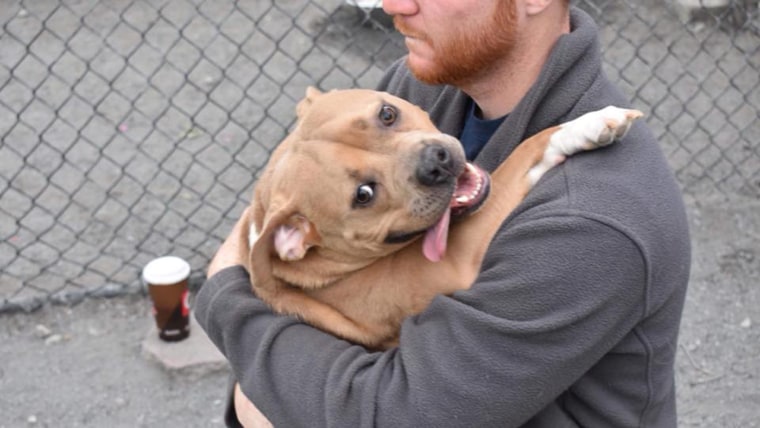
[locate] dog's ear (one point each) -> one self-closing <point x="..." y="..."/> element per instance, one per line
<point x="294" y="237"/>
<point x="290" y="234"/>
<point x="311" y="94"/>
<point x="264" y="283"/>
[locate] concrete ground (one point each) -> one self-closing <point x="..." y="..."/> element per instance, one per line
<point x="84" y="366"/>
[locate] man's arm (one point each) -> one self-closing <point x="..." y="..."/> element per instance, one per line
<point x="556" y="293"/>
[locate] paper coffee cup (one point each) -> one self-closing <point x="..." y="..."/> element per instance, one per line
<point x="167" y="279"/>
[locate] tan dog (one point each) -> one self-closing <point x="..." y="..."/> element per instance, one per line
<point x="349" y="220"/>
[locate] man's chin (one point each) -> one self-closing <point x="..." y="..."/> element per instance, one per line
<point x="424" y="70"/>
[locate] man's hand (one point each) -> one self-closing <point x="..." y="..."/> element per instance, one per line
<point x="247" y="413"/>
<point x="230" y="251"/>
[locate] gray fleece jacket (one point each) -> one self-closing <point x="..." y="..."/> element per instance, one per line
<point x="573" y="320"/>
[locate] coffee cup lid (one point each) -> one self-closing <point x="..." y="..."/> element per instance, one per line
<point x="166" y="270"/>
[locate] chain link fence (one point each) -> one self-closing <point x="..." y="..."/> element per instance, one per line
<point x="132" y="129"/>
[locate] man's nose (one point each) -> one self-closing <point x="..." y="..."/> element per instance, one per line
<point x="400" y="7"/>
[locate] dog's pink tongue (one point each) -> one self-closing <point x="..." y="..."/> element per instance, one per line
<point x="434" y="245"/>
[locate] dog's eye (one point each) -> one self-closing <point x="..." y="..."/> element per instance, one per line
<point x="387" y="115"/>
<point x="364" y="194"/>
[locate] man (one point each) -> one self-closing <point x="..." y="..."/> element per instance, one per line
<point x="574" y="318"/>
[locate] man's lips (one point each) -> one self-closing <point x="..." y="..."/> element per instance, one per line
<point x="406" y="30"/>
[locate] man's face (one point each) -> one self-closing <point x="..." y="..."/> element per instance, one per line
<point x="453" y="42"/>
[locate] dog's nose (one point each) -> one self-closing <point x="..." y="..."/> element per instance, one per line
<point x="436" y="165"/>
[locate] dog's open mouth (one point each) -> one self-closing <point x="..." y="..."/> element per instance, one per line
<point x="471" y="191"/>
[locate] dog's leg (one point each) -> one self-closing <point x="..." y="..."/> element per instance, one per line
<point x="293" y="301"/>
<point x="590" y="131"/>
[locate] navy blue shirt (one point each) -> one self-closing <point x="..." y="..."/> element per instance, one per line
<point x="476" y="131"/>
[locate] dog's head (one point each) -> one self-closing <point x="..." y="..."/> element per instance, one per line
<point x="363" y="174"/>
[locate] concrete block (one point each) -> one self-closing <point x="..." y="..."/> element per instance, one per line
<point x="194" y="356"/>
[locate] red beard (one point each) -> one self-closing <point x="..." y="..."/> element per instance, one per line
<point x="466" y="53"/>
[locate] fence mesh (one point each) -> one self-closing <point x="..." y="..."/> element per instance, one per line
<point x="133" y="129"/>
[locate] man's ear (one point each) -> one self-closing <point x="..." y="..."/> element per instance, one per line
<point x="294" y="237"/>
<point x="311" y="94"/>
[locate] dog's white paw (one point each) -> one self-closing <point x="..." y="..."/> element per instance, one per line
<point x="595" y="129"/>
<point x="590" y="131"/>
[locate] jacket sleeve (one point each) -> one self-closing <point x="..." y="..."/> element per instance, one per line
<point x="556" y="292"/>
